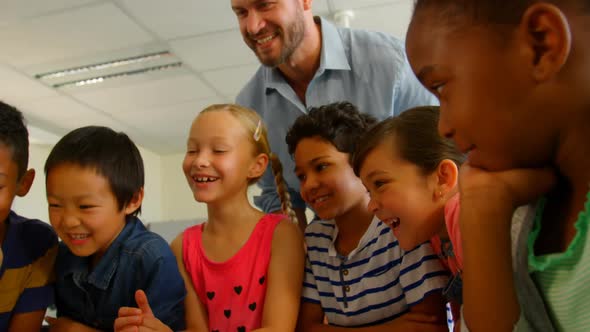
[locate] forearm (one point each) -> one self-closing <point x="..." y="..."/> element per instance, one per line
<point x="319" y="327"/>
<point x="488" y="285"/>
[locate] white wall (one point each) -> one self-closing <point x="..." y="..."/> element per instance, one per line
<point x="34" y="205"/>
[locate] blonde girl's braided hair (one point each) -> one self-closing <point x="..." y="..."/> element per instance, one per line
<point x="258" y="137"/>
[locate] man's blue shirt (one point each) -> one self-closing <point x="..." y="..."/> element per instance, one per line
<point x="368" y="69"/>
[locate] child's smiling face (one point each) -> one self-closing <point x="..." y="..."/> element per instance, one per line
<point x="402" y="196"/>
<point x="83" y="209"/>
<point x="328" y="182"/>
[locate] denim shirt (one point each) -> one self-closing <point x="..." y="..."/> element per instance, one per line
<point x="368" y="69"/>
<point x="137" y="259"/>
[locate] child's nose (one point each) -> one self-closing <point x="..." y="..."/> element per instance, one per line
<point x="70" y="221"/>
<point x="373" y="206"/>
<point x="311" y="183"/>
<point x="202" y="160"/>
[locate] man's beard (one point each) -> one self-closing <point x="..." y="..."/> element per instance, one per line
<point x="291" y="39"/>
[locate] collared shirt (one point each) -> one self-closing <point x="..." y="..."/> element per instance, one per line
<point x="137" y="259"/>
<point x="375" y="283"/>
<point x="26" y="273"/>
<point x="368" y="69"/>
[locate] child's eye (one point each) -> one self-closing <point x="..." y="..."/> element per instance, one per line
<point x="219" y="151"/>
<point x="378" y="184"/>
<point x="301" y="177"/>
<point x="52" y="205"/>
<point x="86" y="207"/>
<point x="321" y="167"/>
<point x="438" y="88"/>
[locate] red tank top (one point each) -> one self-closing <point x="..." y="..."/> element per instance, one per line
<point x="233" y="291"/>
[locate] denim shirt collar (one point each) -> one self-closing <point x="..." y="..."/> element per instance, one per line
<point x="103" y="272"/>
<point x="332" y="56"/>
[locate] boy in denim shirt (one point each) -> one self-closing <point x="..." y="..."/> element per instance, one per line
<point x="95" y="180"/>
<point x="28" y="247"/>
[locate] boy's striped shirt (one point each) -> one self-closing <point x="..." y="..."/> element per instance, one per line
<point x="26" y="273"/>
<point x="376" y="283"/>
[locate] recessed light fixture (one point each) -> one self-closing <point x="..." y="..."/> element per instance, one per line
<point x="100" y="79"/>
<point x="103" y="65"/>
<point x="100" y="72"/>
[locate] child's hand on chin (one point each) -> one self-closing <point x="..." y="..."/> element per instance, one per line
<point x="139" y="319"/>
<point x="503" y="190"/>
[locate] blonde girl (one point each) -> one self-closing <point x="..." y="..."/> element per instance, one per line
<point x="242" y="268"/>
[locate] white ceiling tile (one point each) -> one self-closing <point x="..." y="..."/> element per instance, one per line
<point x="15" y="10"/>
<point x="213" y="51"/>
<point x="157" y="120"/>
<point x="229" y="81"/>
<point x="181" y="18"/>
<point x="392" y="19"/>
<point x="354" y="4"/>
<point x="149" y="94"/>
<point x="17" y="88"/>
<point x="166" y="126"/>
<point x="63" y="112"/>
<point x="69" y="34"/>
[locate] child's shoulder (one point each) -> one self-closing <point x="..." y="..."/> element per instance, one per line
<point x="38" y="236"/>
<point x="319" y="227"/>
<point x="145" y="243"/>
<point x="320" y="233"/>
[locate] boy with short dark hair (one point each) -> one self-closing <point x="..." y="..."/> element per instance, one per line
<point x="95" y="180"/>
<point x="28" y="246"/>
<point x="356" y="273"/>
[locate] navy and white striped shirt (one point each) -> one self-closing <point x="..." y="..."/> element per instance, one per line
<point x="376" y="283"/>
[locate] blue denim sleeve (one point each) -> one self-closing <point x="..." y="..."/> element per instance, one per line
<point x="165" y="288"/>
<point x="410" y="93"/>
<point x="268" y="200"/>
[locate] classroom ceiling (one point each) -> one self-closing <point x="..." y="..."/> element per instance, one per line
<point x="205" y="61"/>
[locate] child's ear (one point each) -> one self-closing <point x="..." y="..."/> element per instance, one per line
<point x="548" y="38"/>
<point x="135" y="202"/>
<point x="25" y="183"/>
<point x="258" y="167"/>
<point x="447" y="175"/>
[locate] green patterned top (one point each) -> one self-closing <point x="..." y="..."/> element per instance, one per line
<point x="564" y="278"/>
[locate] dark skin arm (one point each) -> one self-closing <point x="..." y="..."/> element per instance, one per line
<point x="426" y="316"/>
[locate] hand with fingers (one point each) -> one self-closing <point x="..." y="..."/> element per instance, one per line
<point x="140" y="319"/>
<point x="505" y="189"/>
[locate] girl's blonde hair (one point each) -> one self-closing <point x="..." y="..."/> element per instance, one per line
<point x="257" y="136"/>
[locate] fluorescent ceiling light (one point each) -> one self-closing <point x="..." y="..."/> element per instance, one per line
<point x="103" y="65"/>
<point x="101" y="79"/>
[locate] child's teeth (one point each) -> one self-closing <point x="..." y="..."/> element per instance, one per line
<point x="79" y="236"/>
